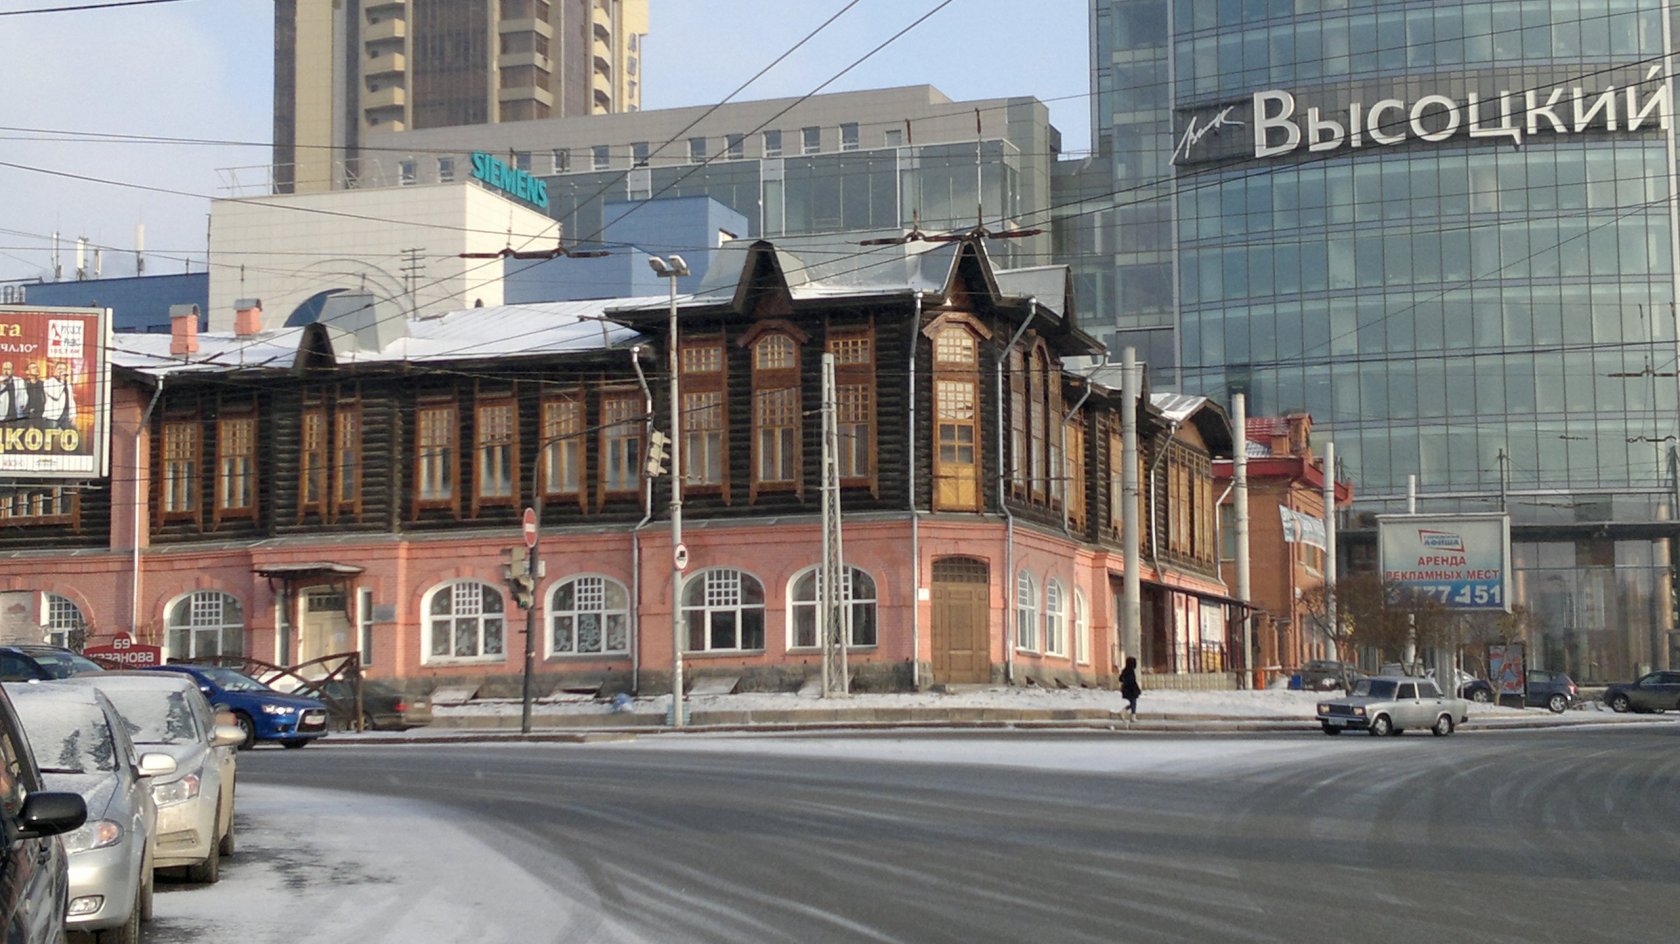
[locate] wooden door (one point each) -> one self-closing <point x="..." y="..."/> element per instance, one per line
<point x="961" y="635"/>
<point x="325" y="628"/>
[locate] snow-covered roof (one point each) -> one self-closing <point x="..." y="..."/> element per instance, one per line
<point x="527" y="330"/>
<point x="1176" y="407"/>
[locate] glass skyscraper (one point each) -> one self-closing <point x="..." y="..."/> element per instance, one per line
<point x="1445" y="229"/>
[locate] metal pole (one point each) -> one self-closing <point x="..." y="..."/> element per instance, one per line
<point x="534" y="569"/>
<point x="671" y="271"/>
<point x="833" y="585"/>
<point x="1131" y="611"/>
<point x="1330" y="538"/>
<point x="1239" y="475"/>
<point x="1410" y="655"/>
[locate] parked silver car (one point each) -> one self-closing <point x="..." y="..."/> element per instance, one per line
<point x="166" y="712"/>
<point x="81" y="744"/>
<point x="1389" y="705"/>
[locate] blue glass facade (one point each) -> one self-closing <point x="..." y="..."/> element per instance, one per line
<point x="1453" y="283"/>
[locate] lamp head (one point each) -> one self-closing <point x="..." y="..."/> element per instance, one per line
<point x="670" y="267"/>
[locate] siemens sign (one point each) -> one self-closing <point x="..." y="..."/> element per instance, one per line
<point x="509" y="180"/>
<point x="1278" y="125"/>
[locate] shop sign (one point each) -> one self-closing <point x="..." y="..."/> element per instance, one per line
<point x="1278" y="124"/>
<point x="496" y="173"/>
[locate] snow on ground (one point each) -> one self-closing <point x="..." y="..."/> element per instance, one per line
<point x="1266" y="703"/>
<point x="363" y="868"/>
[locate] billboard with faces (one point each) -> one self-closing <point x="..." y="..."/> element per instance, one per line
<point x="55" y="392"/>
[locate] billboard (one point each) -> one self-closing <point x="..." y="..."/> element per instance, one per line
<point x="55" y="392"/>
<point x="1462" y="561"/>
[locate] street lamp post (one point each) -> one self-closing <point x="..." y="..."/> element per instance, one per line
<point x="672" y="268"/>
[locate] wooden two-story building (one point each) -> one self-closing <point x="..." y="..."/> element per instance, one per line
<point x="356" y="485"/>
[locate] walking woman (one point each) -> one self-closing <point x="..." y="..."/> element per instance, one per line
<point x="1129" y="688"/>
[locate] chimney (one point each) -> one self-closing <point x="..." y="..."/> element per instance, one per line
<point x="247" y="316"/>
<point x="183" y="330"/>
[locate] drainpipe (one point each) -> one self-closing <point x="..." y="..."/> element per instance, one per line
<point x="134" y="580"/>
<point x="1003" y="505"/>
<point x="636" y="532"/>
<point x="915" y="516"/>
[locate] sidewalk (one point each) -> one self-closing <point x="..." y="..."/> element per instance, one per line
<point x="997" y="707"/>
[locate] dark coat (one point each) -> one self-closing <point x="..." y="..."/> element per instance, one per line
<point x="1129" y="684"/>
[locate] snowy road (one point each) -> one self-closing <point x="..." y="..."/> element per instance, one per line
<point x="1520" y="836"/>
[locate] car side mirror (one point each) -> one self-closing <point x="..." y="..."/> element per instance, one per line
<point x="227" y="735"/>
<point x="48" y="814"/>
<point x="156" y="765"/>
<point x="207" y="690"/>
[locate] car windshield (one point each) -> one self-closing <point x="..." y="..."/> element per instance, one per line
<point x="156" y="717"/>
<point x="68" y="738"/>
<point x="230" y="681"/>
<point x="64" y="664"/>
<point x="1374" y="688"/>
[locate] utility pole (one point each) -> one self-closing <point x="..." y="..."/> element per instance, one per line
<point x="673" y="267"/>
<point x="832" y="585"/>
<point x="1409" y="657"/>
<point x="412" y="268"/>
<point x="1131" y="610"/>
<point x="1239" y="503"/>
<point x="1330" y="539"/>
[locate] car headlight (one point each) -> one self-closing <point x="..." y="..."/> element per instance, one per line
<point x="93" y="834"/>
<point x="1359" y="711"/>
<point x="176" y="791"/>
<point x="1323" y="709"/>
<point x="278" y="710"/>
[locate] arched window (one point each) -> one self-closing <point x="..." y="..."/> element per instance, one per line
<point x="204" y="623"/>
<point x="64" y="621"/>
<point x="589" y="615"/>
<point x="1055" y="619"/>
<point x="465" y="620"/>
<point x="1026" y="613"/>
<point x="804" y="616"/>
<point x="1081" y="629"/>
<point x="723" y="609"/>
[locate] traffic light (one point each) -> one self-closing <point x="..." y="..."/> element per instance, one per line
<point x="658" y="447"/>
<point x="524" y="587"/>
<point x="521" y="582"/>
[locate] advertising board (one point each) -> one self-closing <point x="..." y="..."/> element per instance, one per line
<point x="55" y="392"/>
<point x="1461" y="561"/>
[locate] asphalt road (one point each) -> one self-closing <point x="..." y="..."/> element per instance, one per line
<point x="1552" y="835"/>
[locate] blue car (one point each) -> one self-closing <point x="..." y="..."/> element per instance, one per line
<point x="261" y="712"/>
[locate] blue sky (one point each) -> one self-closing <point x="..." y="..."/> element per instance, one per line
<point x="202" y="70"/>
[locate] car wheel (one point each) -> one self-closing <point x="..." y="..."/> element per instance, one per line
<point x="249" y="727"/>
<point x="1557" y="703"/>
<point x="128" y="933"/>
<point x="1619" y="703"/>
<point x="1443" y="726"/>
<point x="1382" y="727"/>
<point x="208" y="872"/>
<point x="1331" y="729"/>
<point x="1481" y="696"/>
<point x="228" y="843"/>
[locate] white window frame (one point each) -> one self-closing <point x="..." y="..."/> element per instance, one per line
<point x="476" y="612"/>
<point x="860" y="596"/>
<point x="597" y="587"/>
<point x="721" y="591"/>
<point x="1026" y="612"/>
<point x="1081" y="628"/>
<point x="206" y="614"/>
<point x="1055" y="618"/>
<point x="60" y="617"/>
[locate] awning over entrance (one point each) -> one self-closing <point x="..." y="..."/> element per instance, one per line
<point x="311" y="570"/>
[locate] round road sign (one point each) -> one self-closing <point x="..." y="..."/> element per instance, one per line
<point x="679" y="557"/>
<point x="529" y="527"/>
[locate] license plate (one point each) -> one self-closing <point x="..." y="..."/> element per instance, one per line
<point x="1336" y="722"/>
